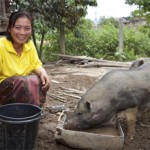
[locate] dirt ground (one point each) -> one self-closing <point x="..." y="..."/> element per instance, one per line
<point x="72" y="77"/>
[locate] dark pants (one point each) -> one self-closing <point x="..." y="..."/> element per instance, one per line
<point x="22" y="89"/>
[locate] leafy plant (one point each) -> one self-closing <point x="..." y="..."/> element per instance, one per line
<point x="57" y="14"/>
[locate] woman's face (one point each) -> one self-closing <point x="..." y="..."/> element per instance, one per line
<point x="21" y="31"/>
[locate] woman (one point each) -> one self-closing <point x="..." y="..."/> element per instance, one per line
<point x="22" y="77"/>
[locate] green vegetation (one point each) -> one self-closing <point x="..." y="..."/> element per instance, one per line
<point x="65" y="30"/>
<point x="102" y="42"/>
<point x="143" y="8"/>
<point x="60" y="15"/>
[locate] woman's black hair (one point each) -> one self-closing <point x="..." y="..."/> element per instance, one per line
<point x="12" y="20"/>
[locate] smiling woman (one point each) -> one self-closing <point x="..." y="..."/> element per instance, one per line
<point x="22" y="77"/>
<point x="20" y="33"/>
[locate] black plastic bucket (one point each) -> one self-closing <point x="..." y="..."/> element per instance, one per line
<point x="18" y="126"/>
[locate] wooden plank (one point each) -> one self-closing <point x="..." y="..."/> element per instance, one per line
<point x="93" y="62"/>
<point x="69" y="57"/>
<point x="105" y="64"/>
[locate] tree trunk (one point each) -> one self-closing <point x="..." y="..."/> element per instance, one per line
<point x="62" y="40"/>
<point x="120" y="52"/>
<point x="120" y="35"/>
<point x="34" y="40"/>
<point x="34" y="37"/>
<point x="41" y="44"/>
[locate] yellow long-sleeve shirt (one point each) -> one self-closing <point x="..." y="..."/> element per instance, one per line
<point x="11" y="64"/>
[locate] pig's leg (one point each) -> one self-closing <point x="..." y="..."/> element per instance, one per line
<point x="141" y="116"/>
<point x="131" y="115"/>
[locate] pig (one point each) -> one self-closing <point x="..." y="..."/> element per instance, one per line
<point x="118" y="90"/>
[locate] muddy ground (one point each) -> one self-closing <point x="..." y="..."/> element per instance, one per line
<point x="72" y="77"/>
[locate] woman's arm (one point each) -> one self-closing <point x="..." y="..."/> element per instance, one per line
<point x="44" y="78"/>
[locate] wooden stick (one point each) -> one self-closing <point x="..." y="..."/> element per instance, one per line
<point x="73" y="90"/>
<point x="55" y="73"/>
<point x="104" y="64"/>
<point x="54" y="81"/>
<point x="75" y="96"/>
<point x="62" y="99"/>
<point x="58" y="62"/>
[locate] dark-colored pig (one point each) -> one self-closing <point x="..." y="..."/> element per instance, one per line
<point x="116" y="91"/>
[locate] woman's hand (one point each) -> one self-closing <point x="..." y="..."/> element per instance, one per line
<point x="45" y="81"/>
<point x="44" y="78"/>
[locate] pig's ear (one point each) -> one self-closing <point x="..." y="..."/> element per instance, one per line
<point x="88" y="105"/>
<point x="136" y="64"/>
